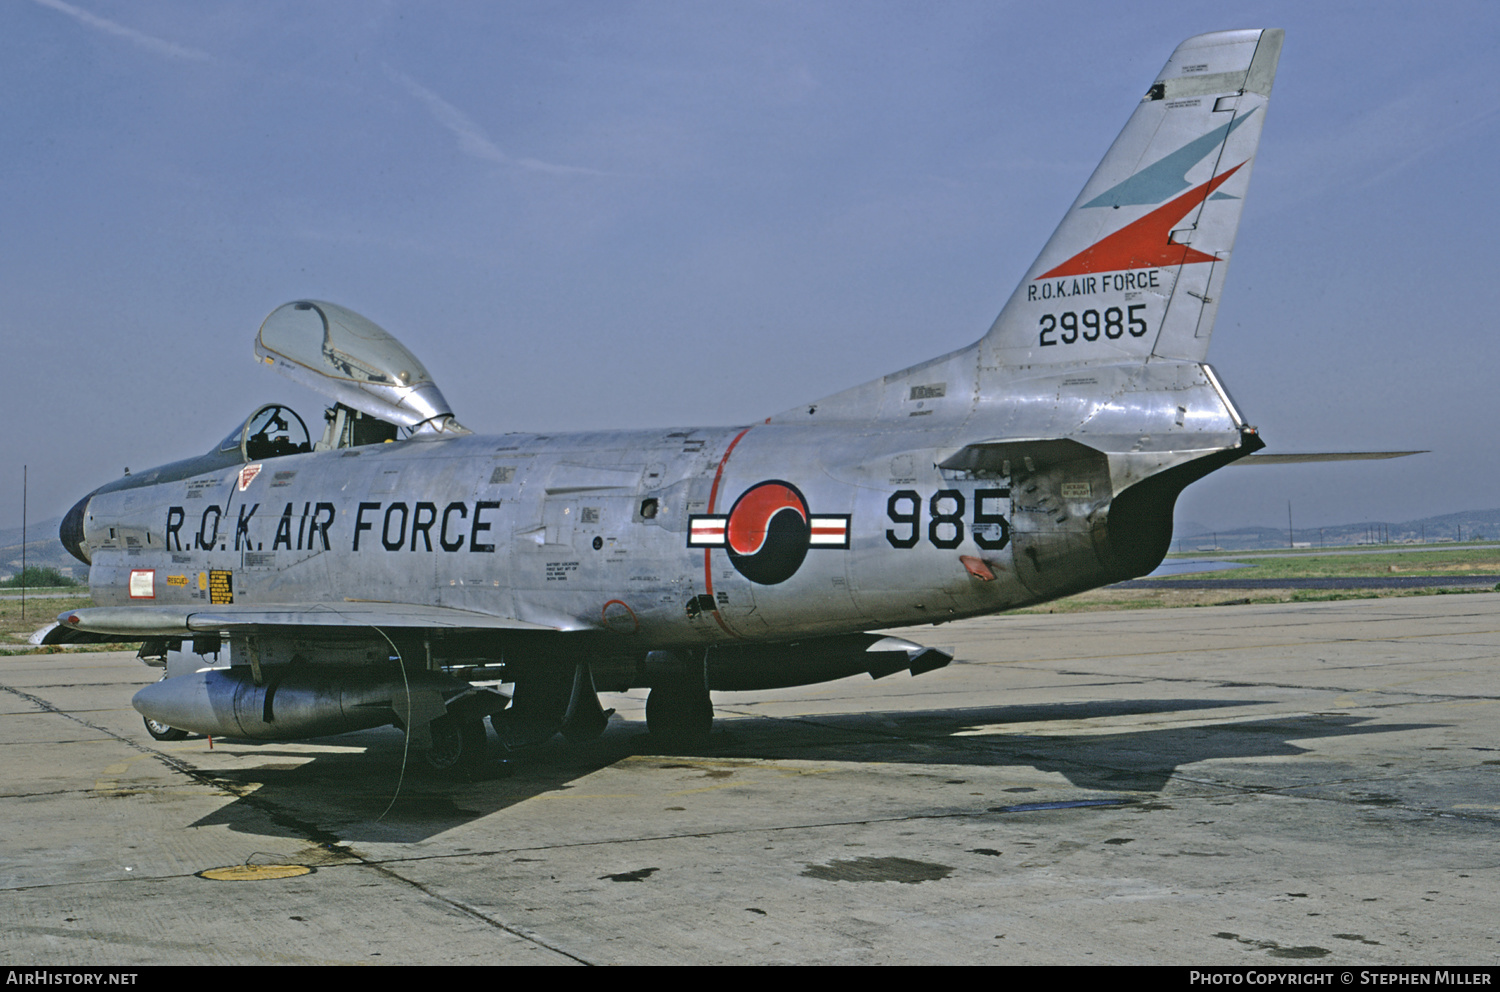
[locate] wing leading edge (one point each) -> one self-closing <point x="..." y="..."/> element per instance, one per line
<point x="178" y="621"/>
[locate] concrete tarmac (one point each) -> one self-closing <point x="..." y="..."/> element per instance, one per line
<point x="1253" y="785"/>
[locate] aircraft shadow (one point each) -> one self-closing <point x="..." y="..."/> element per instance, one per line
<point x="365" y="796"/>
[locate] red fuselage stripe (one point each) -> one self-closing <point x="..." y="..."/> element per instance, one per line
<point x="713" y="496"/>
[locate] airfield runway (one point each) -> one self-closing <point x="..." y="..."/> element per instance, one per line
<point x="1266" y="785"/>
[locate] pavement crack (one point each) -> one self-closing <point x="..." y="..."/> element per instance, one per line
<point x="281" y="817"/>
<point x="524" y="933"/>
<point x="176" y="764"/>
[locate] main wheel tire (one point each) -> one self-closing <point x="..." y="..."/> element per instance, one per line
<point x="680" y="714"/>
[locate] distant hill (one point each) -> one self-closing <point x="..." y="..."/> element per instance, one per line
<point x="43" y="550"/>
<point x="1470" y="525"/>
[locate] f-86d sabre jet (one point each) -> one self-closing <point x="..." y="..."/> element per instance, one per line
<point x="393" y="567"/>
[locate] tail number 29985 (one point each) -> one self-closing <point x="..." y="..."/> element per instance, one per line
<point x="1073" y="327"/>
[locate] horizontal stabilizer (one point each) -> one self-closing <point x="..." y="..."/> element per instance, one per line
<point x="1294" y="457"/>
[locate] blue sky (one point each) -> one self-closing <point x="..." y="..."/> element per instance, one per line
<point x="667" y="214"/>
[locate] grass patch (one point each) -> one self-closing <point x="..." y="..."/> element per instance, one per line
<point x="1296" y="564"/>
<point x="1160" y="599"/>
<point x="1478" y="561"/>
<point x="15" y="629"/>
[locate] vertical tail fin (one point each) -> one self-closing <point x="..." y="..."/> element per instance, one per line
<point x="1136" y="266"/>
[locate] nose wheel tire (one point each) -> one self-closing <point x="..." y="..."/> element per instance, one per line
<point x="458" y="745"/>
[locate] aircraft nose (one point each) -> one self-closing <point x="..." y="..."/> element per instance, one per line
<point x="71" y="531"/>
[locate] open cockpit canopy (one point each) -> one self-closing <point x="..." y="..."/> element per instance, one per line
<point x="356" y="362"/>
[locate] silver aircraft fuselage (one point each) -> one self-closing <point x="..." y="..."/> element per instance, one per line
<point x="620" y="532"/>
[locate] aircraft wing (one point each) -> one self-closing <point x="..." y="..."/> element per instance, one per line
<point x="133" y="622"/>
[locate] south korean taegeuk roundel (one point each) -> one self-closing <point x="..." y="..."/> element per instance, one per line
<point x="768" y="531"/>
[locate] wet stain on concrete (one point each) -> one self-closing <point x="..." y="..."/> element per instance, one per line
<point x="903" y="870"/>
<point x="1068" y="804"/>
<point x="640" y="874"/>
<point x="1274" y="949"/>
<point x="1308" y="951"/>
<point x="1376" y="799"/>
<point x="314" y="854"/>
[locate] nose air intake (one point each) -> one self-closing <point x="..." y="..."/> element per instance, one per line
<point x="71" y="531"/>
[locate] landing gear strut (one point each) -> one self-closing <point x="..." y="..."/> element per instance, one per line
<point x="585" y="719"/>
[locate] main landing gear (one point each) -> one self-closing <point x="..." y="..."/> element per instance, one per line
<point x="680" y="713"/>
<point x="549" y="701"/>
